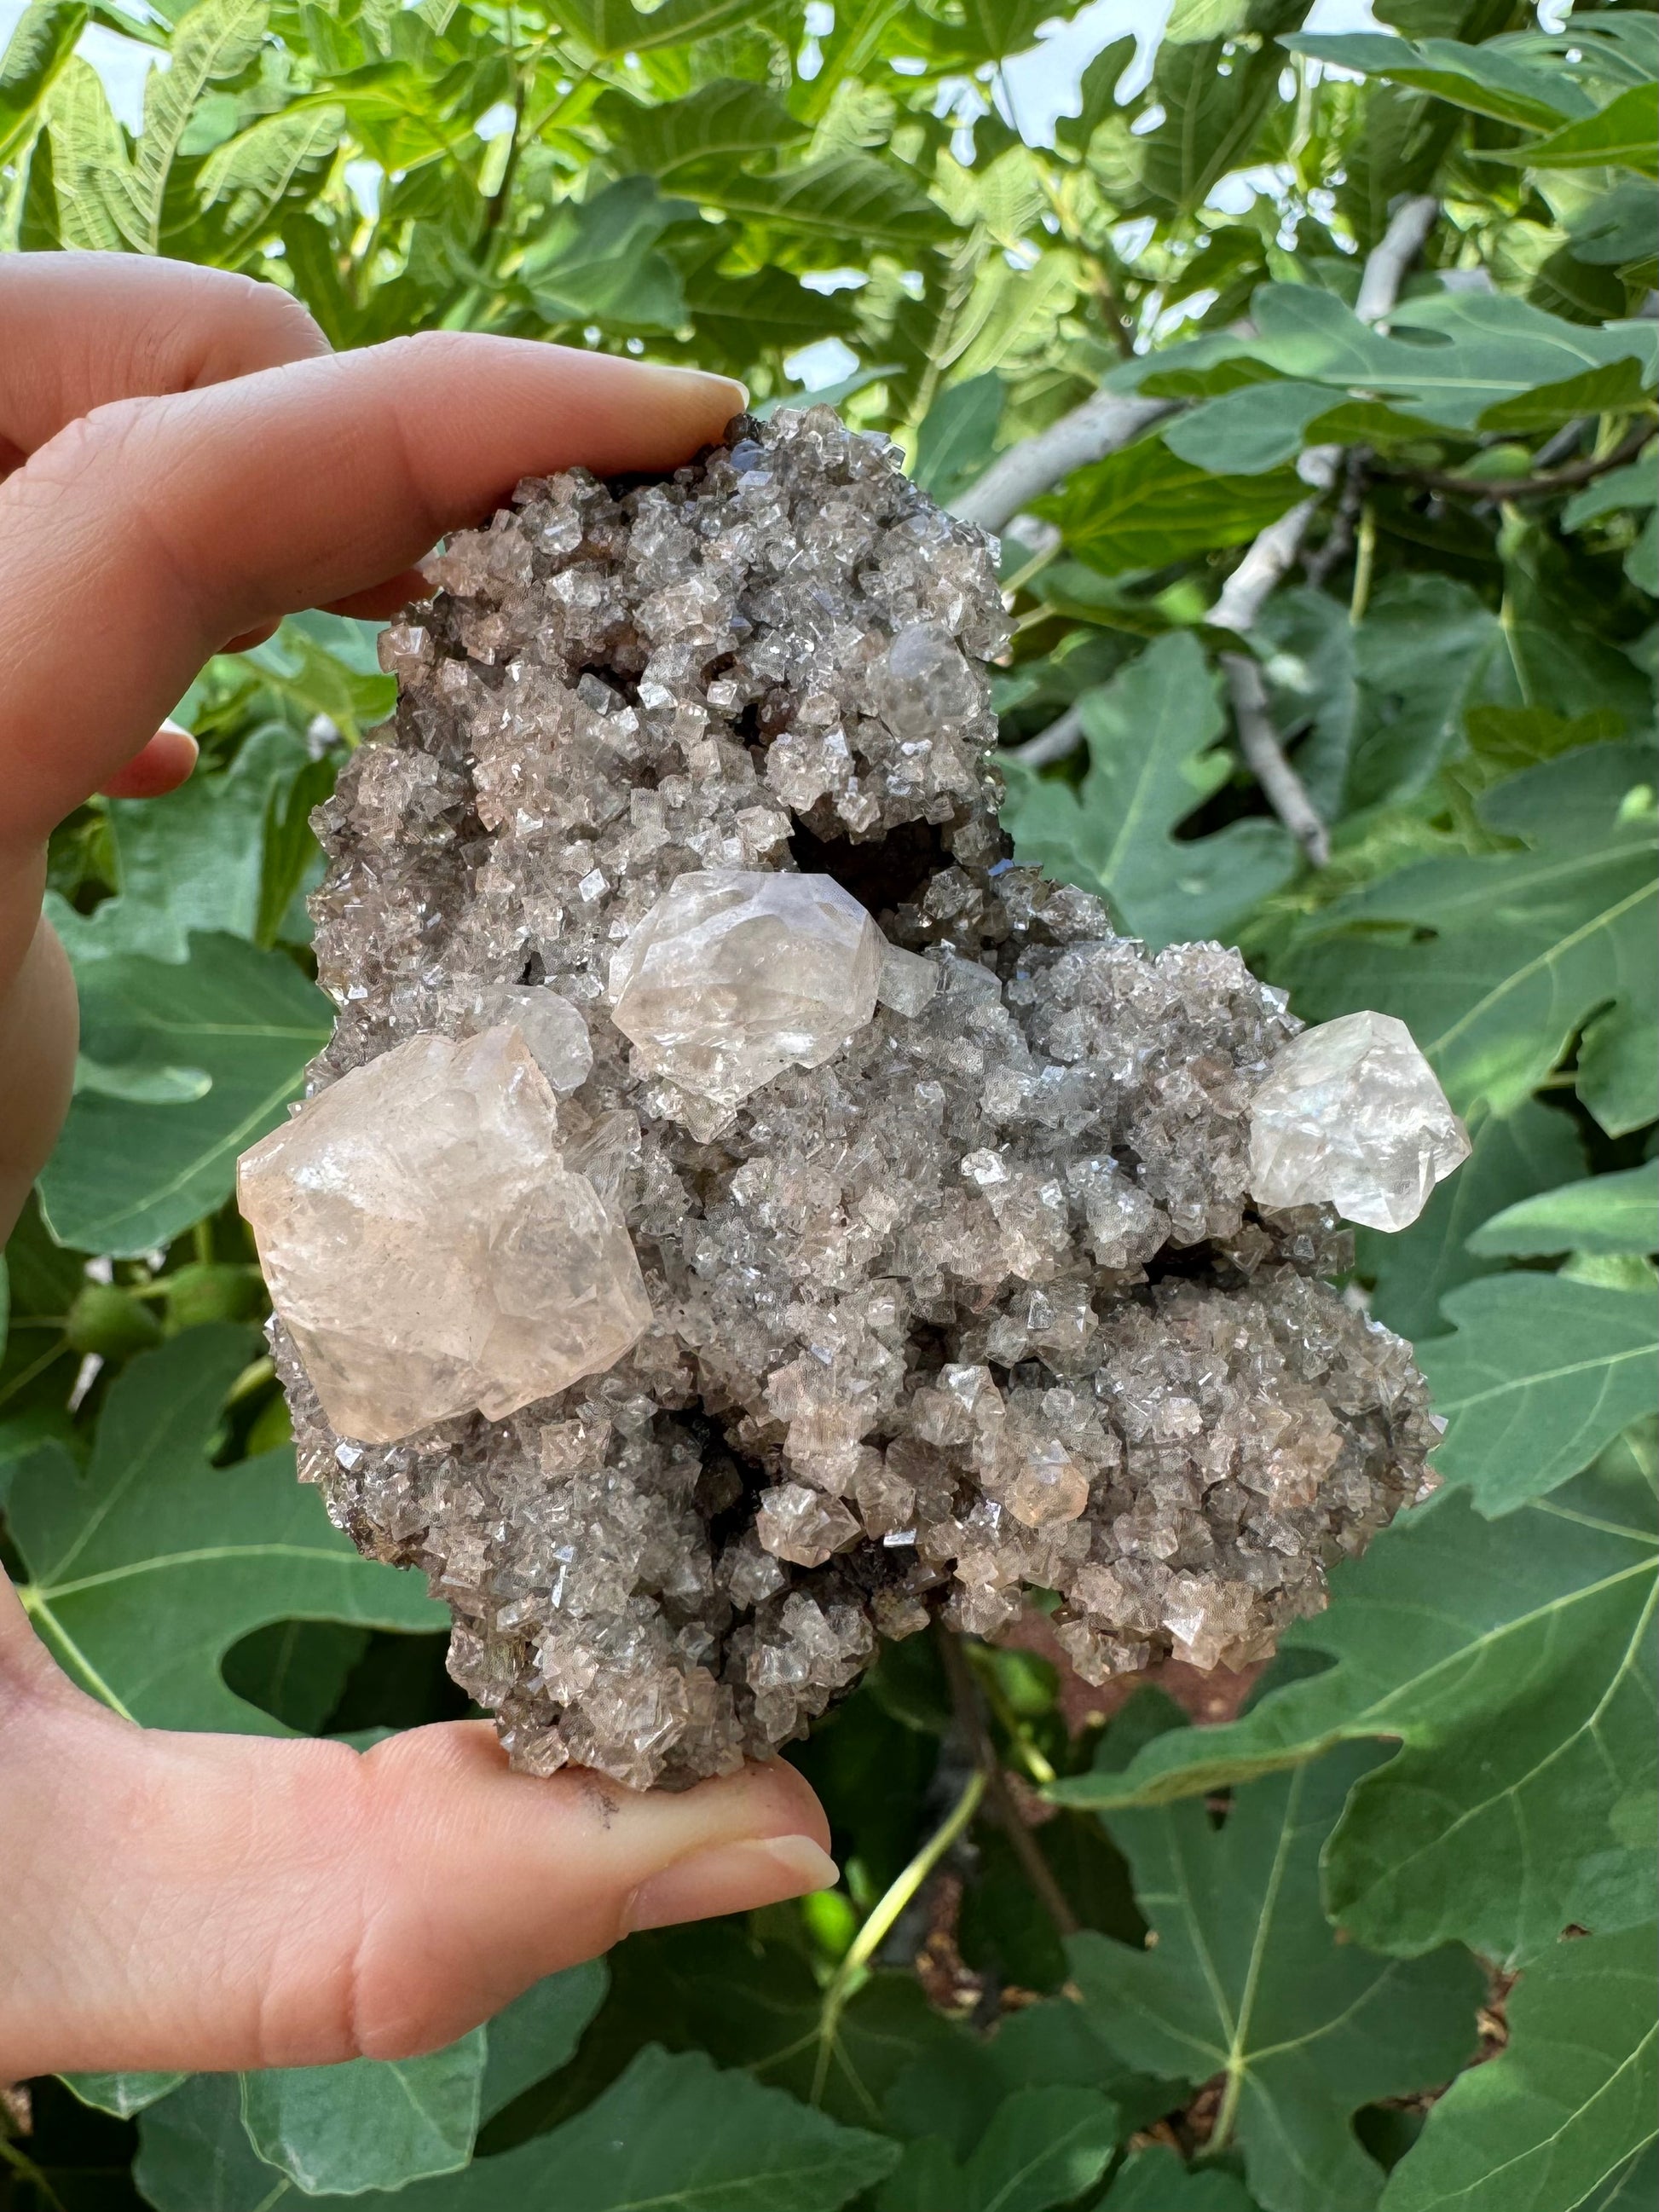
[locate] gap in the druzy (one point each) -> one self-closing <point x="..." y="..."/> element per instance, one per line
<point x="625" y="687"/>
<point x="881" y="873"/>
<point x="534" y="969"/>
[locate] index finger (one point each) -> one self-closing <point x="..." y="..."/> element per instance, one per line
<point x="145" y="534"/>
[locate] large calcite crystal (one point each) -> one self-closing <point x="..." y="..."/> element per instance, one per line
<point x="429" y="1248"/>
<point x="736" y="974"/>
<point x="957" y="1285"/>
<point x="1352" y="1116"/>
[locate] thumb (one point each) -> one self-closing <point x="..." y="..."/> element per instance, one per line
<point x="179" y="1902"/>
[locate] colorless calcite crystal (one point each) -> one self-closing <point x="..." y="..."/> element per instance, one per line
<point x="736" y="974"/>
<point x="1351" y="1114"/>
<point x="429" y="1248"/>
<point x="979" y="1301"/>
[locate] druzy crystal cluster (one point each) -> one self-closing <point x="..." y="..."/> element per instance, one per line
<point x="740" y="1215"/>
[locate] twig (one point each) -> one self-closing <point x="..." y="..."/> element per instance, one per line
<point x="1498" y="488"/>
<point x="1105" y="421"/>
<point x="879" y="1921"/>
<point x="1061" y="737"/>
<point x="1318" y="564"/>
<point x="1386" y="265"/>
<point x="1273" y="554"/>
<point x="1258" y="741"/>
<point x="970" y="1718"/>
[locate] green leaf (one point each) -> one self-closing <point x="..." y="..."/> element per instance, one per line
<point x="1486" y="80"/>
<point x="1248" y="1982"/>
<point x="146" y="1569"/>
<point x="673" y="2134"/>
<point x="1514" y="1156"/>
<point x="39" y="47"/>
<point x="957" y="436"/>
<point x="89" y="164"/>
<point x="1605" y="1213"/>
<point x="1421" y="653"/>
<point x="1191" y="21"/>
<point x="612" y="28"/>
<point x="368" y="2124"/>
<point x="1153" y="760"/>
<point x="1156" y="2180"/>
<point x="1042" y="2148"/>
<point x="122" y="2095"/>
<point x="192" y="860"/>
<point x="1247" y="432"/>
<point x="1497" y="960"/>
<point x="194" y="2155"/>
<point x="1624" y="135"/>
<point x="1446" y="358"/>
<point x="1143" y="507"/>
<point x="1637" y="484"/>
<point x="595" y="260"/>
<point x="725" y="121"/>
<point x="1563" y="2106"/>
<point x="848" y="199"/>
<point x="255" y="170"/>
<point x="538" y="2031"/>
<point x="1098" y="89"/>
<point x="126" y="1175"/>
<point x="1615" y="388"/>
<point x="1540" y="1375"/>
<point x="1513" y="1660"/>
<point x="211" y="42"/>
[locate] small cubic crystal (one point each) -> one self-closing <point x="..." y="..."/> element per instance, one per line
<point x="906" y="981"/>
<point x="426" y="1247"/>
<point x="737" y="974"/>
<point x="1351" y="1115"/>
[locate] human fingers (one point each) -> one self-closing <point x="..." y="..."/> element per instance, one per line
<point x="163" y="765"/>
<point x="82" y="329"/>
<point x="189" y="1902"/>
<point x="173" y="524"/>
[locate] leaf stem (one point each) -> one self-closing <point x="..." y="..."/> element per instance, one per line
<point x="1364" y="562"/>
<point x="879" y="1924"/>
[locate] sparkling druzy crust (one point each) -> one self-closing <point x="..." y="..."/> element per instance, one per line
<point x="955" y="1283"/>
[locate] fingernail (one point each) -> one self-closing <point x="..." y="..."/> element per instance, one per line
<point x="736" y="394"/>
<point x="730" y="1878"/>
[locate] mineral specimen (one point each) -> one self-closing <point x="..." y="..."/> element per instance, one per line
<point x="429" y="1249"/>
<point x="956" y="1281"/>
<point x="1351" y="1115"/>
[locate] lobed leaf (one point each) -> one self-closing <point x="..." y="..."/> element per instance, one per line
<point x="1604" y="1214"/>
<point x="1514" y="1662"/>
<point x="143" y="1570"/>
<point x="1566" y="2105"/>
<point x="1247" y="1982"/>
<point x="1153" y="762"/>
<point x="129" y="1174"/>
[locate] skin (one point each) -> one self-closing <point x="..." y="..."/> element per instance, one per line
<point x="182" y="462"/>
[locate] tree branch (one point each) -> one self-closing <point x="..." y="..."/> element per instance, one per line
<point x="1105" y="421"/>
<point x="1498" y="488"/>
<point x="1269" y="561"/>
<point x="1258" y="741"/>
<point x="970" y="1718"/>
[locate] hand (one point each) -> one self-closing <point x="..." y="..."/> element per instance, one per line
<point x="183" y="462"/>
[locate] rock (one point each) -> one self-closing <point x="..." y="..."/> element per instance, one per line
<point x="1351" y="1116"/>
<point x="426" y="1247"/>
<point x="956" y="1284"/>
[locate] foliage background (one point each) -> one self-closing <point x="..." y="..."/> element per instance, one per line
<point x="1401" y="1903"/>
